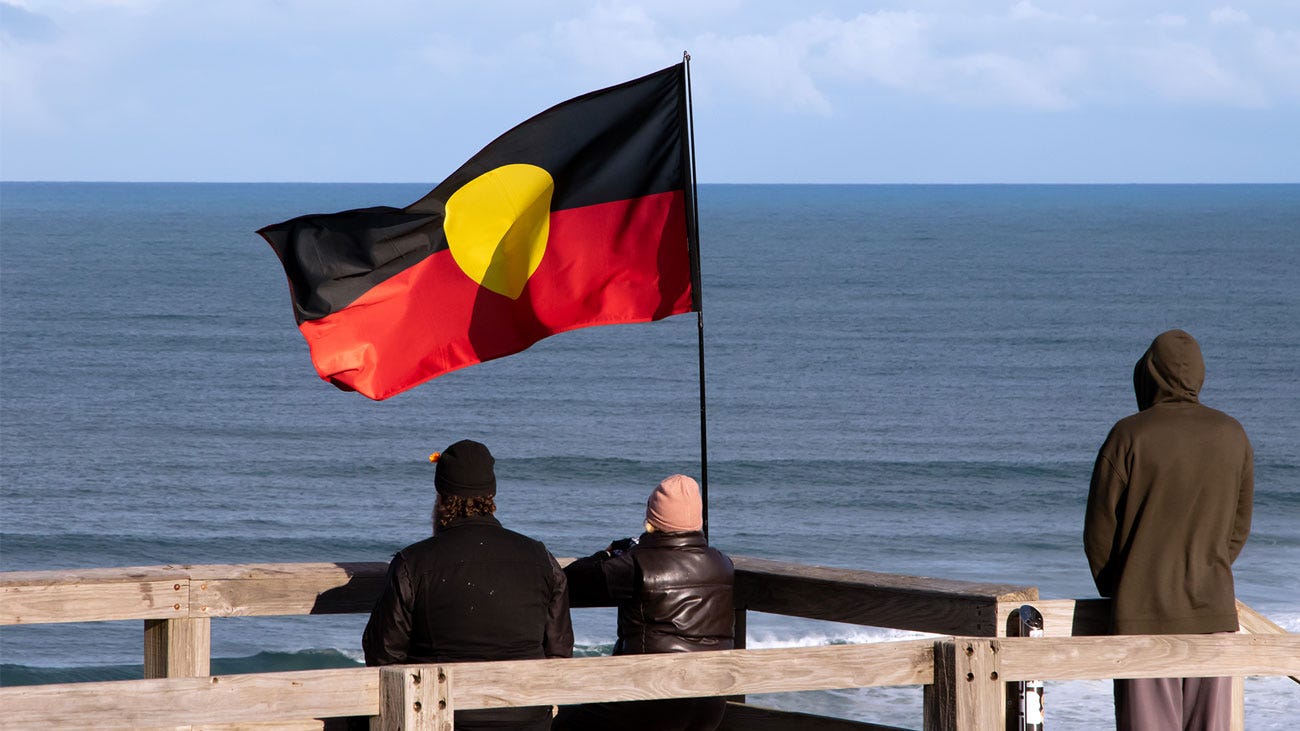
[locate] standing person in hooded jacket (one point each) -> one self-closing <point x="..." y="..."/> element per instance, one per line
<point x="674" y="594"/>
<point x="1168" y="512"/>
<point x="474" y="591"/>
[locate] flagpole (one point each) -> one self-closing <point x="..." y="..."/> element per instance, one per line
<point x="693" y="234"/>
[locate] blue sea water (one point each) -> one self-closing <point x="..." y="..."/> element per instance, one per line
<point x="909" y="379"/>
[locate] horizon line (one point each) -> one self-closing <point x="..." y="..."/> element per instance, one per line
<point x="7" y="181"/>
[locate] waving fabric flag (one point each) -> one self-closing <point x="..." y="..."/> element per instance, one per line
<point x="576" y="217"/>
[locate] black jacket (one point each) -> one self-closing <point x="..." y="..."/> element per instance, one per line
<point x="673" y="592"/>
<point x="474" y="591"/>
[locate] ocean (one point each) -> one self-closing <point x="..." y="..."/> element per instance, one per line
<point x="908" y="379"/>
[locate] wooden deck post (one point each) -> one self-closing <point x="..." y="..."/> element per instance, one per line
<point x="1238" y="722"/>
<point x="177" y="648"/>
<point x="415" y="698"/>
<point x="967" y="694"/>
<point x="738" y="632"/>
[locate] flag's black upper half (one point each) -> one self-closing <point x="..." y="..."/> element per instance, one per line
<point x="612" y="144"/>
<point x="584" y="144"/>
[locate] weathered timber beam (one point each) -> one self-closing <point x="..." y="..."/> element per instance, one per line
<point x="415" y="698"/>
<point x="968" y="689"/>
<point x="286" y="589"/>
<point x="177" y="648"/>
<point x="1257" y="624"/>
<point x="173" y="592"/>
<point x="676" y="675"/>
<point x="218" y="700"/>
<point x="1061" y="617"/>
<point x="916" y="603"/>
<point x="1147" y="656"/>
<point x="38" y="597"/>
<point x="116" y="575"/>
<point x="262" y="697"/>
<point x="970" y="672"/>
<point x="1091" y="618"/>
<point x="162" y="592"/>
<point x="306" y="724"/>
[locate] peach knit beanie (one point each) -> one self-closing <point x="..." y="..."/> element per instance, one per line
<point x="674" y="506"/>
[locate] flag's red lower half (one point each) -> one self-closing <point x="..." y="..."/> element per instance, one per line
<point x="619" y="262"/>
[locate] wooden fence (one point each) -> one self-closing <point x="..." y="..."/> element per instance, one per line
<point x="965" y="674"/>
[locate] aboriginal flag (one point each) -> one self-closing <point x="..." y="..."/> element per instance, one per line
<point x="576" y="217"/>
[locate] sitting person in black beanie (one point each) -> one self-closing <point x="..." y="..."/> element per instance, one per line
<point x="674" y="594"/>
<point x="474" y="591"/>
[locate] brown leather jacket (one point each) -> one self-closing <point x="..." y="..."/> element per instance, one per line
<point x="673" y="592"/>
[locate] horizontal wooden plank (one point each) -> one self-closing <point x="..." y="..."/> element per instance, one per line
<point x="308" y="725"/>
<point x="915" y="603"/>
<point x="74" y="601"/>
<point x="320" y="571"/>
<point x="725" y="673"/>
<point x="171" y="592"/>
<point x="872" y="579"/>
<point x="219" y="700"/>
<point x="265" y="697"/>
<point x="746" y="717"/>
<point x="286" y="589"/>
<point x="118" y="575"/>
<point x="293" y="696"/>
<point x="1252" y="622"/>
<point x="304" y="725"/>
<point x="1091" y="618"/>
<point x="1062" y="617"/>
<point x="1147" y="656"/>
<point x="1255" y="623"/>
<point x="906" y="602"/>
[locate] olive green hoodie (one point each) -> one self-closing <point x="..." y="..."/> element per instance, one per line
<point x="1170" y="502"/>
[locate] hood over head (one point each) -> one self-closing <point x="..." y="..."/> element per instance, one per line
<point x="1172" y="369"/>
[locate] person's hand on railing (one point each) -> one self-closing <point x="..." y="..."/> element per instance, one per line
<point x="620" y="546"/>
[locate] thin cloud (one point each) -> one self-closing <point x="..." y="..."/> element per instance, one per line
<point x="770" y="69"/>
<point x="1189" y="73"/>
<point x="1025" y="57"/>
<point x="103" y="88"/>
<point x="20" y="24"/>
<point x="1229" y="16"/>
<point x="626" y="38"/>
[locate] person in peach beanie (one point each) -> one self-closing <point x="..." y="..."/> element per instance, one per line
<point x="674" y="594"/>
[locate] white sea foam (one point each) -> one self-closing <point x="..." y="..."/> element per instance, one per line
<point x="853" y="636"/>
<point x="1287" y="621"/>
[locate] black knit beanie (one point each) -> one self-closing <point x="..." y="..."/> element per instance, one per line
<point x="465" y="470"/>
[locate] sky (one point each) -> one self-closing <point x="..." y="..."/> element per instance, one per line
<point x="813" y="91"/>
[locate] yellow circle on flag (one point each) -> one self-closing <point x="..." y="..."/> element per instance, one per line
<point x="497" y="225"/>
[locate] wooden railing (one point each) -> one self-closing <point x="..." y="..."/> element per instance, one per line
<point x="964" y="675"/>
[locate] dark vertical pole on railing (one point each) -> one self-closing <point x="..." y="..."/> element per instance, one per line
<point x="1028" y="693"/>
<point x="697" y="289"/>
